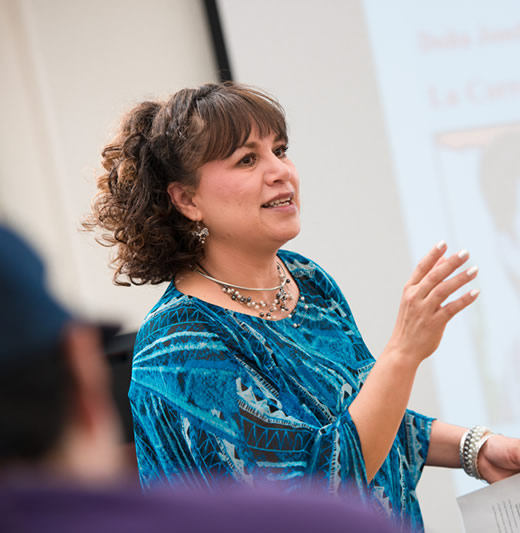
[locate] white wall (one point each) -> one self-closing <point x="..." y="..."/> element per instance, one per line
<point x="69" y="69"/>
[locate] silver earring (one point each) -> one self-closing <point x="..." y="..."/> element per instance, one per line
<point x="201" y="233"/>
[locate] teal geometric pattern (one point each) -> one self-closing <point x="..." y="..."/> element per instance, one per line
<point x="219" y="394"/>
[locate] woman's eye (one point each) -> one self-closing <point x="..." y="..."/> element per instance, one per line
<point x="247" y="160"/>
<point x="281" y="151"/>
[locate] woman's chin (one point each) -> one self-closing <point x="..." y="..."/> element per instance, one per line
<point x="287" y="235"/>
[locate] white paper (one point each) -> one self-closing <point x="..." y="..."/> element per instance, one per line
<point x="492" y="509"/>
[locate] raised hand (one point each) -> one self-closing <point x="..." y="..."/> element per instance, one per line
<point x="422" y="316"/>
<point x="379" y="406"/>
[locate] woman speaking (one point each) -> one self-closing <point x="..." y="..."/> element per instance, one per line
<point x="251" y="366"/>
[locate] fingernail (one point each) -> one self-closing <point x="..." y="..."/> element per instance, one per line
<point x="472" y="270"/>
<point x="441" y="244"/>
<point x="463" y="254"/>
<point x="474" y="293"/>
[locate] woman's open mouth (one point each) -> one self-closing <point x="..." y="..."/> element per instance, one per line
<point x="282" y="202"/>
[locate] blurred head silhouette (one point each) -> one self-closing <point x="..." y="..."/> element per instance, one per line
<point x="56" y="411"/>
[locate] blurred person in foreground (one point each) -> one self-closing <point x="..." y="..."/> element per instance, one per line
<point x="61" y="466"/>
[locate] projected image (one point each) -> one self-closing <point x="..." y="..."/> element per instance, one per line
<point x="479" y="178"/>
<point x="450" y="93"/>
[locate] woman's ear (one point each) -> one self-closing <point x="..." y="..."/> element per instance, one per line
<point x="182" y="198"/>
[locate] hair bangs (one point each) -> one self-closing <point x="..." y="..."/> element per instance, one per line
<point x="227" y="121"/>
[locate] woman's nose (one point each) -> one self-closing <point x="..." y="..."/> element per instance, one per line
<point x="277" y="170"/>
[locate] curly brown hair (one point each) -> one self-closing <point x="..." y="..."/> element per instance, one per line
<point x="163" y="142"/>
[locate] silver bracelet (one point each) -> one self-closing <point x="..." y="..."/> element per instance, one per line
<point x="470" y="445"/>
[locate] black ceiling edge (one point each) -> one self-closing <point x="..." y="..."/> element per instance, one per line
<point x="217" y="37"/>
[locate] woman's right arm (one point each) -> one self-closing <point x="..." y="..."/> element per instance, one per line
<point x="379" y="407"/>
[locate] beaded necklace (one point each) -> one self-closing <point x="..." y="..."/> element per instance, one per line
<point x="264" y="310"/>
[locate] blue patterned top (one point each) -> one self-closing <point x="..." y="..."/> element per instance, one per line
<point x="220" y="393"/>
